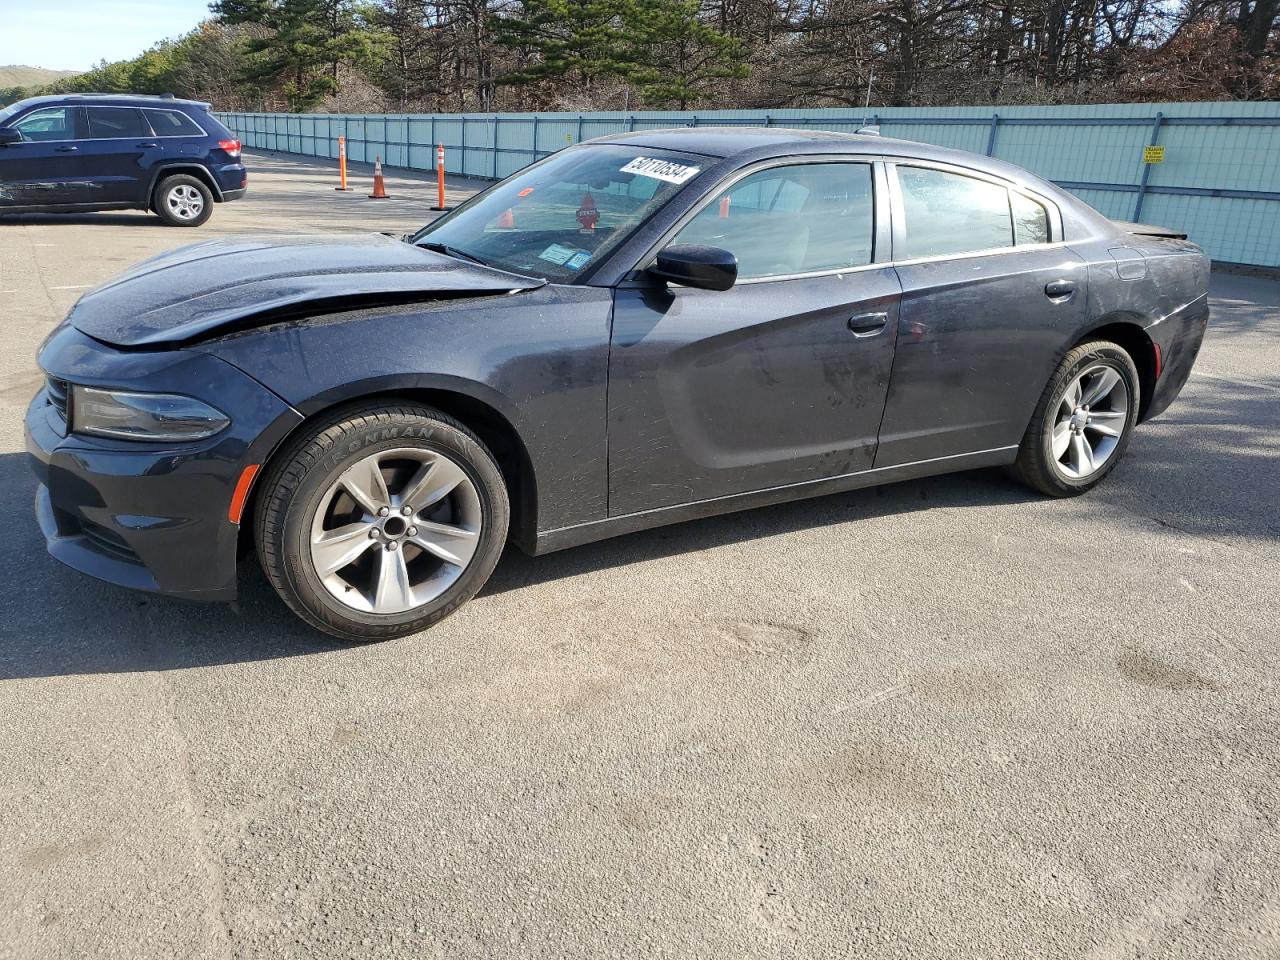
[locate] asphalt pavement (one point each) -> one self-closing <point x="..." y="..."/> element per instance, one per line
<point x="941" y="719"/>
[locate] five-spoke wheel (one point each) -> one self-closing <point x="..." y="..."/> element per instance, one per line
<point x="396" y="530"/>
<point x="381" y="520"/>
<point x="1083" y="422"/>
<point x="1092" y="417"/>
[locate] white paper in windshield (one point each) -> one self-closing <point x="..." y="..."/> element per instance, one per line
<point x="660" y="169"/>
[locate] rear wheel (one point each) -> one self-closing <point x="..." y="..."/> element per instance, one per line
<point x="182" y="201"/>
<point x="382" y="522"/>
<point x="1083" y="422"/>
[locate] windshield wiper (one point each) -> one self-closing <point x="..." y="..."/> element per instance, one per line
<point x="449" y="251"/>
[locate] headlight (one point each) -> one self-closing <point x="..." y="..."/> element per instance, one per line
<point x="143" y="416"/>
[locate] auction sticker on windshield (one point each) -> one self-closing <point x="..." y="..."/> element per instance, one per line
<point x="660" y="169"/>
<point x="557" y="254"/>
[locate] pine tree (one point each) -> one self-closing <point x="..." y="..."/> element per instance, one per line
<point x="675" y="56"/>
<point x="306" y="43"/>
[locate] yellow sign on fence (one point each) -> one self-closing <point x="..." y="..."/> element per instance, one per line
<point x="1153" y="154"/>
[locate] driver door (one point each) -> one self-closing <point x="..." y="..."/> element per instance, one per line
<point x="43" y="168"/>
<point x="779" y="380"/>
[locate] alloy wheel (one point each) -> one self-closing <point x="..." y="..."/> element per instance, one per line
<point x="1091" y="418"/>
<point x="184" y="201"/>
<point x="396" y="530"/>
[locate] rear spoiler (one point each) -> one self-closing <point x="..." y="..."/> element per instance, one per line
<point x="1147" y="230"/>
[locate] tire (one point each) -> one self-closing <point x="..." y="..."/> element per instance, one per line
<point x="1043" y="462"/>
<point x="319" y="501"/>
<point x="182" y="200"/>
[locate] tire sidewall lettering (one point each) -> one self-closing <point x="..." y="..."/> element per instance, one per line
<point x="346" y="448"/>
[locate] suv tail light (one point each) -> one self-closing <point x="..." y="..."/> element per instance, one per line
<point x="232" y="147"/>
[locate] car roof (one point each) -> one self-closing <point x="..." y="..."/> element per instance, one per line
<point x="763" y="143"/>
<point x="112" y="99"/>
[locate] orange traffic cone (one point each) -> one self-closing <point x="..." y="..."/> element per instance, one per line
<point x="506" y="220"/>
<point x="379" y="188"/>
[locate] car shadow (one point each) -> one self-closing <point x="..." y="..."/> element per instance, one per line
<point x="1206" y="468"/>
<point x="974" y="488"/>
<point x="128" y="218"/>
<point x="56" y="622"/>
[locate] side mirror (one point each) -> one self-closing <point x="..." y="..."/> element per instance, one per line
<point x="9" y="135"/>
<point x="696" y="265"/>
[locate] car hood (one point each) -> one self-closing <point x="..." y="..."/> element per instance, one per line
<point x="228" y="284"/>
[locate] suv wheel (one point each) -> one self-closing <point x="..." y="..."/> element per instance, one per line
<point x="182" y="201"/>
<point x="382" y="520"/>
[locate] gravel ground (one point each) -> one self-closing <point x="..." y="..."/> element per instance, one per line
<point x="946" y="718"/>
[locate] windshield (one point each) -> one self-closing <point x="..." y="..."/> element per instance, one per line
<point x="558" y="217"/>
<point x="10" y="110"/>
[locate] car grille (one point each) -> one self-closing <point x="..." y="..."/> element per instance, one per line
<point x="59" y="396"/>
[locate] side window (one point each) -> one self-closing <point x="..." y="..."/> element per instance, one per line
<point x="807" y="218"/>
<point x="51" y="123"/>
<point x="951" y="213"/>
<point x="1030" y="220"/>
<point x="115" y="123"/>
<point x="173" y="123"/>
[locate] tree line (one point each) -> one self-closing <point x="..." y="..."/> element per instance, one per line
<point x="516" y="55"/>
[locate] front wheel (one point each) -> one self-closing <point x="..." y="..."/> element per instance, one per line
<point x="381" y="521"/>
<point x="1082" y="425"/>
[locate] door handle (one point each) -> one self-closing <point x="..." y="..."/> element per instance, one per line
<point x="146" y="144"/>
<point x="65" y="149"/>
<point x="1059" y="288"/>
<point x="868" y="324"/>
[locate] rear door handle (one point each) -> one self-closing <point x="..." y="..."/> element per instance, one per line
<point x="146" y="144"/>
<point x="868" y="324"/>
<point x="67" y="149"/>
<point x="1059" y="288"/>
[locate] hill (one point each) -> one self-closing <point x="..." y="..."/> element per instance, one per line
<point x="22" y="76"/>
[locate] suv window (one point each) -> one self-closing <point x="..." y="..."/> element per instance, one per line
<point x="173" y="123"/>
<point x="952" y="213"/>
<point x="806" y="218"/>
<point x="113" y="123"/>
<point x="51" y="123"/>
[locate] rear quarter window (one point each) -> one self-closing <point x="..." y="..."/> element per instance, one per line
<point x="173" y="123"/>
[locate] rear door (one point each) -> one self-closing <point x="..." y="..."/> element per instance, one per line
<point x="989" y="295"/>
<point x="43" y="168"/>
<point x="118" y="152"/>
<point x="780" y="379"/>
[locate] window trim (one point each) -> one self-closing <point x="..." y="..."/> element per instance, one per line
<point x="900" y="215"/>
<point x="880" y="216"/>
<point x="82" y="119"/>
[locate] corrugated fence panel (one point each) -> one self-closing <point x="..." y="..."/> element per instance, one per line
<point x="1219" y="182"/>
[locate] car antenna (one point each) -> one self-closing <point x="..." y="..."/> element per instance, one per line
<point x="865" y="128"/>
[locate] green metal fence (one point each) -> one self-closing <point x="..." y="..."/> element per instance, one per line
<point x="1219" y="179"/>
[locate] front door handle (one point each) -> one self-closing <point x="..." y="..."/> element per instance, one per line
<point x="146" y="145"/>
<point x="868" y="324"/>
<point x="1059" y="288"/>
<point x="67" y="149"/>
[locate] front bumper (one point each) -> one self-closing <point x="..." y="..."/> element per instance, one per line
<point x="150" y="516"/>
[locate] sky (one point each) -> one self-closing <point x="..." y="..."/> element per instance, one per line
<point x="76" y="34"/>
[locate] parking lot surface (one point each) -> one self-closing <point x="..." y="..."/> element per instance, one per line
<point x="947" y="718"/>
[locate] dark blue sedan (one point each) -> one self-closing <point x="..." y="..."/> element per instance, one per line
<point x="635" y="331"/>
